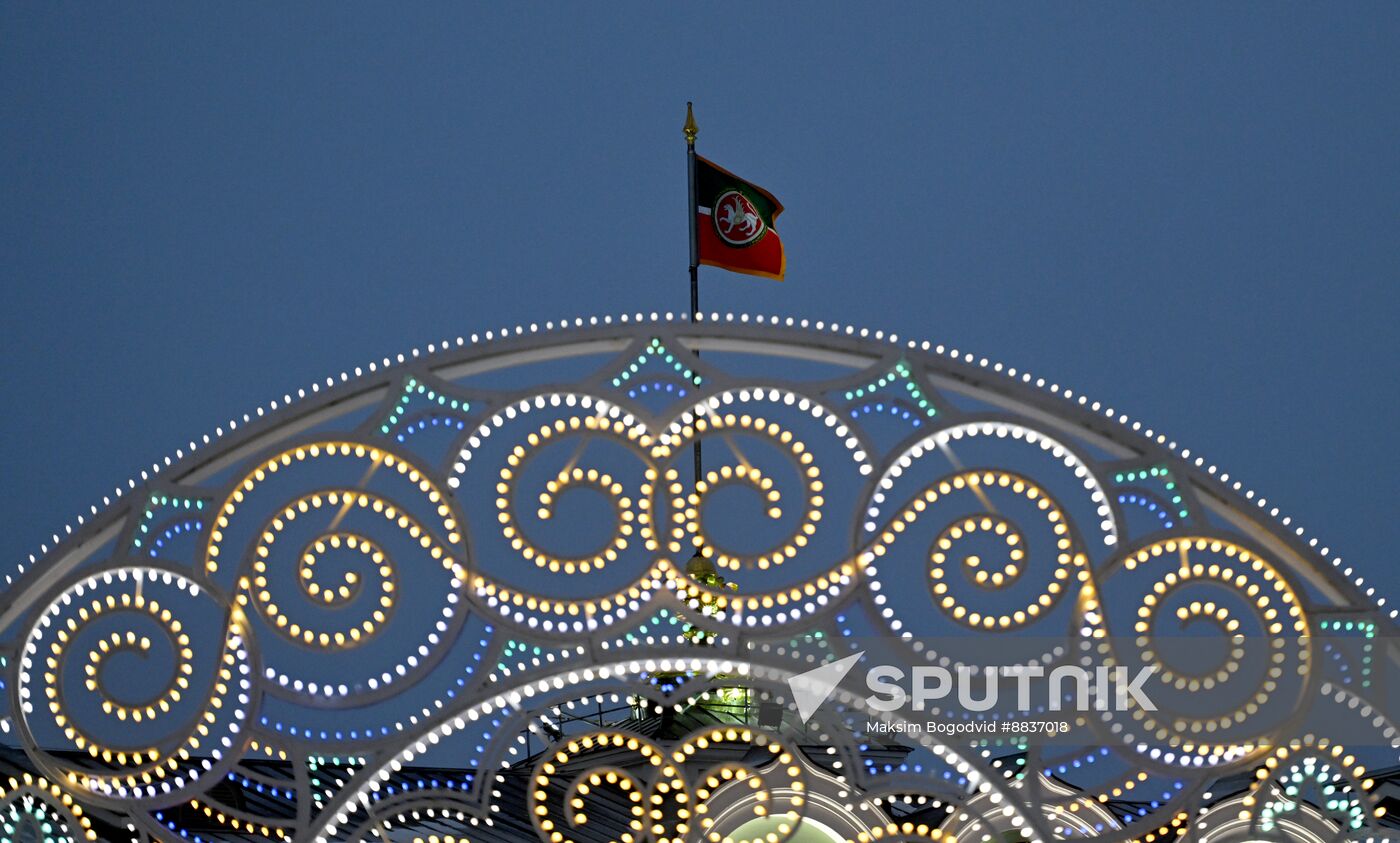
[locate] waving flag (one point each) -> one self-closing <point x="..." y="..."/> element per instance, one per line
<point x="734" y="223"/>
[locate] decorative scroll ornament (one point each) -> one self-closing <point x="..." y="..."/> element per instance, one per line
<point x="435" y="600"/>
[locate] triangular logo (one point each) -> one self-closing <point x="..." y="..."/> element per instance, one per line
<point x="810" y="689"/>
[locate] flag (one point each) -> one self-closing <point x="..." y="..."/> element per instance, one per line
<point x="734" y="223"/>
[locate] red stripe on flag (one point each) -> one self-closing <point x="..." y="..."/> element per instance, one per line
<point x="764" y="258"/>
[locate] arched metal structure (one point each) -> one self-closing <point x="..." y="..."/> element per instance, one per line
<point x="450" y="596"/>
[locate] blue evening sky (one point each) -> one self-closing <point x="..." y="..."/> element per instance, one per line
<point x="1189" y="211"/>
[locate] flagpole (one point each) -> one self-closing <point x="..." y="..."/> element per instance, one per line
<point x="691" y="132"/>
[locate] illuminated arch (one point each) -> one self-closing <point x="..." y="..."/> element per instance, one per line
<point x="335" y="588"/>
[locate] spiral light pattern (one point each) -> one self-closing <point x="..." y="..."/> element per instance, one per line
<point x="421" y="603"/>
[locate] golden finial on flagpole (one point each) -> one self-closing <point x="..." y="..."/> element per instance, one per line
<point x="691" y="130"/>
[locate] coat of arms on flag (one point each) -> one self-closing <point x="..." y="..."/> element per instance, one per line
<point x="734" y="223"/>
